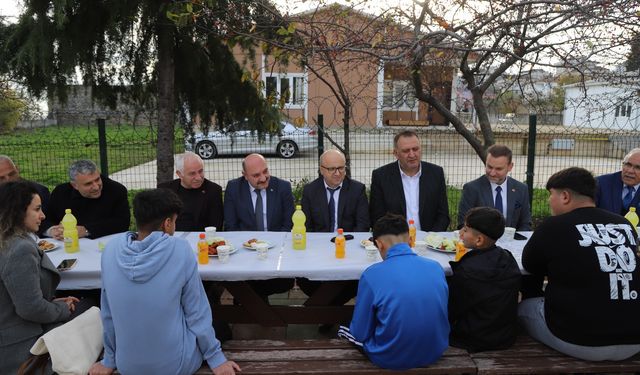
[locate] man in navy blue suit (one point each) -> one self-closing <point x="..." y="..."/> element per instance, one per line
<point x="617" y="192"/>
<point x="497" y="190"/>
<point x="258" y="201"/>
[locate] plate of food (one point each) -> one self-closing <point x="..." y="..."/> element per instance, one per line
<point x="250" y="244"/>
<point x="442" y="244"/>
<point x="368" y="242"/>
<point x="218" y="241"/>
<point x="46" y="246"/>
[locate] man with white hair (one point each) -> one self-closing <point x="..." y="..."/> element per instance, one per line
<point x="617" y="192"/>
<point x="202" y="199"/>
<point x="99" y="204"/>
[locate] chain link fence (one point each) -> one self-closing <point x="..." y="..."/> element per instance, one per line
<point x="43" y="153"/>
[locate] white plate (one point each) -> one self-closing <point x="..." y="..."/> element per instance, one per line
<point x="270" y="245"/>
<point x="55" y="246"/>
<point x="365" y="243"/>
<point x="233" y="250"/>
<point x="440" y="250"/>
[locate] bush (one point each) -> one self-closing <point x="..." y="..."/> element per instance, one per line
<point x="10" y="111"/>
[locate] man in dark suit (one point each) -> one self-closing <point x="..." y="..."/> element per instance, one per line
<point x="258" y="201"/>
<point x="617" y="192"/>
<point x="202" y="199"/>
<point x="410" y="187"/>
<point x="344" y="206"/>
<point x="497" y="190"/>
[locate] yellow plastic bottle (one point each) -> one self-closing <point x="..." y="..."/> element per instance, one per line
<point x="299" y="232"/>
<point x="340" y="244"/>
<point x="632" y="216"/>
<point x="70" y="232"/>
<point x="412" y="234"/>
<point x="203" y="250"/>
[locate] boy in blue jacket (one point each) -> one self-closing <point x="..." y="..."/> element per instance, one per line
<point x="400" y="317"/>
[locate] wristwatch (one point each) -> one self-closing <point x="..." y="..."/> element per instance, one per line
<point x="86" y="232"/>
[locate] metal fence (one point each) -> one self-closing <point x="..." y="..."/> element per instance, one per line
<point x="44" y="153"/>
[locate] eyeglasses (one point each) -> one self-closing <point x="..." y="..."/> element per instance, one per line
<point x="334" y="169"/>
<point x="636" y="167"/>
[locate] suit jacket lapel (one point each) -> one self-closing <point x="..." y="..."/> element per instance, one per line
<point x="272" y="197"/>
<point x="342" y="202"/>
<point x="245" y="196"/>
<point x="422" y="191"/>
<point x="486" y="193"/>
<point x="616" y="195"/>
<point x="511" y="203"/>
<point x="321" y="193"/>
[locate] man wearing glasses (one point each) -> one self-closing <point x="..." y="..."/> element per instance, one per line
<point x="617" y="192"/>
<point x="345" y="206"/>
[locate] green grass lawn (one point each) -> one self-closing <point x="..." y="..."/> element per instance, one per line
<point x="44" y="154"/>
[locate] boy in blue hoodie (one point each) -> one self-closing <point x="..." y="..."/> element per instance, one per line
<point x="400" y="317"/>
<point x="155" y="313"/>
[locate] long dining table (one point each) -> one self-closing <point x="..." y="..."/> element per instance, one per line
<point x="316" y="262"/>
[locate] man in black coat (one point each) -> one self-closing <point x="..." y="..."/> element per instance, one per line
<point x="410" y="187"/>
<point x="330" y="202"/>
<point x="202" y="198"/>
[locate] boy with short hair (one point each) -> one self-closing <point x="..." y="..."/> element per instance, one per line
<point x="483" y="297"/>
<point x="400" y="317"/>
<point x="155" y="313"/>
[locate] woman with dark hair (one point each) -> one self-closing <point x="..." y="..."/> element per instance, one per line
<point x="28" y="279"/>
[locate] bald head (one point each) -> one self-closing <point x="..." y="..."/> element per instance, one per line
<point x="190" y="170"/>
<point x="8" y="170"/>
<point x="332" y="167"/>
<point x="256" y="171"/>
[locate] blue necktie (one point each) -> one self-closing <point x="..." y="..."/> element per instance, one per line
<point x="626" y="200"/>
<point x="332" y="208"/>
<point x="498" y="203"/>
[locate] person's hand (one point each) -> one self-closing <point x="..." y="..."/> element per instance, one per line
<point x="227" y="368"/>
<point x="70" y="301"/>
<point x="56" y="232"/>
<point x="82" y="232"/>
<point x="99" y="369"/>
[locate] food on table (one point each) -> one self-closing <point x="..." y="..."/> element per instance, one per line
<point x="439" y="242"/>
<point x="214" y="242"/>
<point x="45" y="245"/>
<point x="253" y="242"/>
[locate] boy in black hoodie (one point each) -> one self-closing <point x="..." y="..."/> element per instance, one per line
<point x="483" y="290"/>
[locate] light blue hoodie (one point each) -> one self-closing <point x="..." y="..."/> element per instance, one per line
<point x="155" y="313"/>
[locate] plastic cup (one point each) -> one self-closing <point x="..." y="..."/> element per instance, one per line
<point x="262" y="249"/>
<point x="509" y="232"/>
<point x="223" y="253"/>
<point x="420" y="247"/>
<point x="210" y="233"/>
<point x="372" y="253"/>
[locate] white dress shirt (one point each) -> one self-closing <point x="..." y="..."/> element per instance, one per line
<point x="411" y="187"/>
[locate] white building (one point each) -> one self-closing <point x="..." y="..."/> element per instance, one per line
<point x="597" y="104"/>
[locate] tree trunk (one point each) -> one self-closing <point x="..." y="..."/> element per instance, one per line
<point x="166" y="102"/>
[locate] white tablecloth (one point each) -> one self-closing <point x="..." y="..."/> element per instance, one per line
<point x="316" y="262"/>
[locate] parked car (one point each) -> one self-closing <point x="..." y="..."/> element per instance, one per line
<point x="238" y="139"/>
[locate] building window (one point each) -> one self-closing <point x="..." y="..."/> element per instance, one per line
<point x="398" y="95"/>
<point x="291" y="88"/>
<point x="623" y="110"/>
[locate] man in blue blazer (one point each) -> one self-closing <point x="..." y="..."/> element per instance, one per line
<point x="617" y="192"/>
<point x="258" y="201"/>
<point x="481" y="192"/>
<point x="330" y="202"/>
<point x="410" y="187"/>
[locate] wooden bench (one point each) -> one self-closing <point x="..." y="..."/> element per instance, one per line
<point x="325" y="356"/>
<point x="335" y="356"/>
<point x="528" y="356"/>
